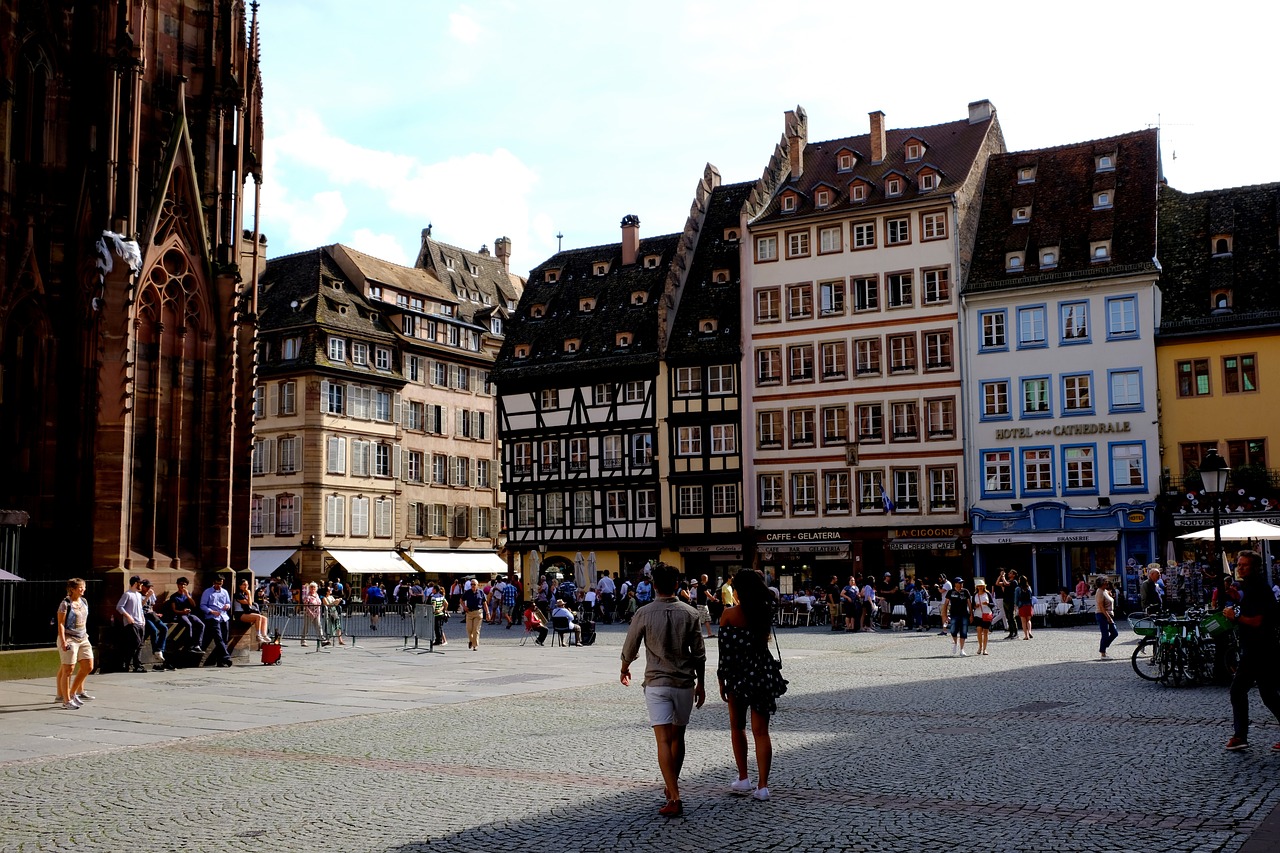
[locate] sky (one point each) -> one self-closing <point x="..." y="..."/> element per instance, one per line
<point x="532" y="119"/>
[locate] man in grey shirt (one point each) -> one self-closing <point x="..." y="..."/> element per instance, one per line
<point x="132" y="624"/>
<point x="675" y="663"/>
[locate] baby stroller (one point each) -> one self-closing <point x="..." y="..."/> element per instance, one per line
<point x="587" y="621"/>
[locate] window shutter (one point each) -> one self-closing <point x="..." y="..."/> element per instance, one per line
<point x="269" y="516"/>
<point x="448" y="524"/>
<point x="324" y="395"/>
<point x="353" y="406"/>
<point x="395" y="461"/>
<point x="458" y="419"/>
<point x="296" y="521"/>
<point x="269" y="464"/>
<point x="273" y="399"/>
<point x="400" y="412"/>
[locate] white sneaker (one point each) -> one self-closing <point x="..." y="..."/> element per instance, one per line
<point x="963" y="653"/>
<point x="955" y="650"/>
<point x="159" y="656"/>
<point x="760" y="794"/>
<point x="68" y="706"/>
<point x="81" y="697"/>
<point x="742" y="786"/>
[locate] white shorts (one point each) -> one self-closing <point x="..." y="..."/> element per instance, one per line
<point x="704" y="614"/>
<point x="80" y="651"/>
<point x="669" y="706"/>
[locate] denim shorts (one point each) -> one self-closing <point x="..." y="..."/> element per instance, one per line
<point x="960" y="627"/>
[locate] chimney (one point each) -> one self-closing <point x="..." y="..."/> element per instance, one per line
<point x="630" y="238"/>
<point x="981" y="111"/>
<point x="877" y="136"/>
<point x="502" y="249"/>
<point x="797" y="136"/>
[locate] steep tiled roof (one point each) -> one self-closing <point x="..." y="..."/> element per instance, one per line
<point x="951" y="149"/>
<point x="407" y="279"/>
<point x="308" y="279"/>
<point x="1061" y="202"/>
<point x="1192" y="272"/>
<point x="477" y="280"/>
<point x="702" y="297"/>
<point x="597" y="330"/>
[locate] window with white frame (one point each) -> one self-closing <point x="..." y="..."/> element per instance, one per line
<point x="822" y="198"/>
<point x="1078" y="463"/>
<point x="642" y="450"/>
<point x="864" y="235"/>
<point x="522" y="457"/>
<point x="553" y="508"/>
<point x="439" y="469"/>
<point x="995" y="399"/>
<point x="360" y="358"/>
<point x="417" y="416"/>
<point x="836" y="488"/>
<point x="928" y="181"/>
<point x="1035" y="396"/>
<point x="688" y="440"/>
<point x="768" y="366"/>
<point x="897" y="231"/>
<point x="802" y="427"/>
<point x="829" y="239"/>
<point x="1037" y="469"/>
<point x="549" y="455"/>
<point x="688" y="381"/>
<point x="769" y="487"/>
<point x="1104" y="163"/>
<point x="288" y="515"/>
<point x="902" y="353"/>
<point x="1075" y="321"/>
<point x="906" y="489"/>
<point x="768" y="305"/>
<point x="788" y="203"/>
<point x="484" y="523"/>
<point x="382" y="406"/>
<point x="437" y="520"/>
<point x="646" y="504"/>
<point x="1013" y="261"/>
<point x="940" y="418"/>
<point x="937" y="350"/>
<point x="767" y="248"/>
<point x="720" y="379"/>
<point x="1100" y="251"/>
<point x="1049" y="258"/>
<point x="893" y="187"/>
<point x="799" y="301"/>
<point x="804" y="493"/>
<point x="993" y="330"/>
<point x="579" y="454"/>
<point x="335" y="515"/>
<point x="933" y="226"/>
<point x="382" y="460"/>
<point x="257" y="515"/>
<point x="1127" y="467"/>
<point x="858" y="192"/>
<point x="1027" y="175"/>
<point x="1126" y="389"/>
<point x="584" y="511"/>
<point x="615" y="505"/>
<point x="633" y="392"/>
<point x="611" y="451"/>
<point x="866" y="356"/>
<point x="263" y="451"/>
<point x="526" y="511"/>
<point x="360" y="402"/>
<point x="1122" y="317"/>
<point x="866" y="293"/>
<point x="1103" y="199"/>
<point x="997" y="471"/>
<point x="336" y="454"/>
<point x="870" y="488"/>
<point x="835" y="360"/>
<point x="801" y="363"/>
<point x="1031" y="327"/>
<point x="724" y="439"/>
<point x="549" y="398"/>
<point x="337" y="349"/>
<point x="290" y="349"/>
<point x="870" y="423"/>
<point x="484" y="474"/>
<point x="769" y="430"/>
<point x="942" y="489"/>
<point x="288" y="453"/>
<point x="602" y="394"/>
<point x="844" y="162"/>
<point x="937" y="285"/>
<point x="831" y="294"/>
<point x="899" y="285"/>
<point x="835" y="424"/>
<point x="906" y="425"/>
<point x="288" y="397"/>
<point x="689" y="501"/>
<point x="335" y="398"/>
<point x="724" y="499"/>
<point x="1077" y="397"/>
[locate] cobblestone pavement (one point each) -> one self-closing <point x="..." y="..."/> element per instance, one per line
<point x="884" y="742"/>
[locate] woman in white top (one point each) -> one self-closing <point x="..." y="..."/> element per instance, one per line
<point x="1105" y="605"/>
<point x="982" y="613"/>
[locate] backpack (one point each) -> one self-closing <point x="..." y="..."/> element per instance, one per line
<point x="917" y="596"/>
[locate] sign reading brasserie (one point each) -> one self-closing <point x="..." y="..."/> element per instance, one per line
<point x="1063" y="429"/>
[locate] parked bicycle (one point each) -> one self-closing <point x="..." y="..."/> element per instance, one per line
<point x="1196" y="648"/>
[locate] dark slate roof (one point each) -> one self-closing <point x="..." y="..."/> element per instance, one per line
<point x="702" y="298"/>
<point x="951" y="150"/>
<point x="308" y="279"/>
<point x="597" y="331"/>
<point x="1192" y="273"/>
<point x="492" y="283"/>
<point x="1062" y="214"/>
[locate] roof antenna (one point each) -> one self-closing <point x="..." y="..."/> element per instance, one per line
<point x="559" y="240"/>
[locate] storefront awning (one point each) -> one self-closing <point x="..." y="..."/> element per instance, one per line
<point x="264" y="561"/>
<point x="1030" y="537"/>
<point x="478" y="563"/>
<point x="372" y="562"/>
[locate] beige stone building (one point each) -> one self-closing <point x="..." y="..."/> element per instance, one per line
<point x="375" y="448"/>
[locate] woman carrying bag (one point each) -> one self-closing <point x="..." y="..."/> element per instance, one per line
<point x="750" y="677"/>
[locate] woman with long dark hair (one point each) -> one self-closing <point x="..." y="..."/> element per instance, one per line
<point x="750" y="679"/>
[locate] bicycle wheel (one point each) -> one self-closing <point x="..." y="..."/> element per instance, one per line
<point x="1145" y="659"/>
<point x="1173" y="664"/>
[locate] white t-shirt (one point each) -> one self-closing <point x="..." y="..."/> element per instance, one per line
<point x="606" y="586"/>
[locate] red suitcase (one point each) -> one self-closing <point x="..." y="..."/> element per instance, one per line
<point x="270" y="653"/>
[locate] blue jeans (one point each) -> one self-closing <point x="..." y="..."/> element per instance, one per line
<point x="157" y="631"/>
<point x="960" y="626"/>
<point x="1109" y="632"/>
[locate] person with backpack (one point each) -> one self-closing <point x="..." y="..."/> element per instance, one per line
<point x="1255" y="617"/>
<point x="74" y="651"/>
<point x="918" y="606"/>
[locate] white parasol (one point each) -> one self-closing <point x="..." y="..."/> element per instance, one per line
<point x="1238" y="531"/>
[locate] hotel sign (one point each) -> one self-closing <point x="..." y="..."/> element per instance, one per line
<point x="1096" y="428"/>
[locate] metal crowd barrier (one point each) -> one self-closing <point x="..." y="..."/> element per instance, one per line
<point x="413" y="623"/>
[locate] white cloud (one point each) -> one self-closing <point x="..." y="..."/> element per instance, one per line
<point x="464" y="28"/>
<point x="384" y="246"/>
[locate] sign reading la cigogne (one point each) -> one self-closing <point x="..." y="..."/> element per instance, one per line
<point x="927" y="532"/>
<point x="1096" y="428"/>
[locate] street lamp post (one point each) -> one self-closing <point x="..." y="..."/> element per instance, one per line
<point x="1213" y="475"/>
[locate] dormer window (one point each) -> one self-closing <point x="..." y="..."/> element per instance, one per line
<point x="651" y="262"/>
<point x="375" y="292"/>
<point x="1027" y="175"/>
<point x="537" y="312"/>
<point x="639" y="297"/>
<point x="1221" y="245"/>
<point x="473" y="269"/>
<point x="551" y="276"/>
<point x="1022" y="214"/>
<point x="1100" y="251"/>
<point x="914" y="151"/>
<point x="720" y="276"/>
<point x="1220" y="300"/>
<point x="844" y="162"/>
<point x="586" y="306"/>
<point x="1013" y="262"/>
<point x="858" y="192"/>
<point x="448" y="263"/>
<point x="823" y="198"/>
<point x="708" y="325"/>
<point x="928" y="181"/>
<point x="731" y="235"/>
<point x="1049" y="258"/>
<point x="788" y="203"/>
<point x="600" y="268"/>
<point x="1104" y="163"/>
<point x="522" y="351"/>
<point x="893" y="187"/>
<point x="623" y="339"/>
<point x="1103" y="200"/>
<point x="571" y="345"/>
